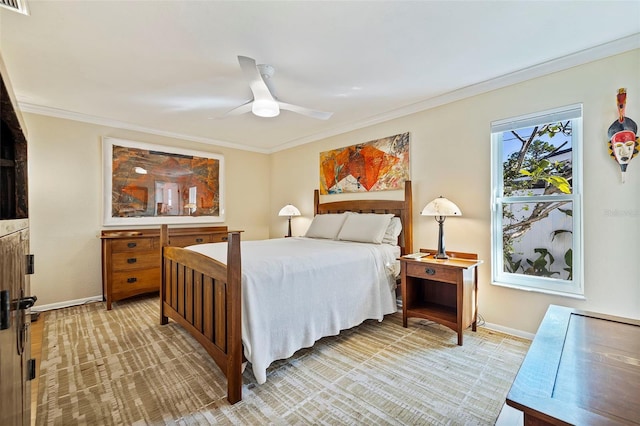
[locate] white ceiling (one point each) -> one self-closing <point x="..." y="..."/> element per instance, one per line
<point x="171" y="68"/>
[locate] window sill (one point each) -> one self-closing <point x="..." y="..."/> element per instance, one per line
<point x="541" y="290"/>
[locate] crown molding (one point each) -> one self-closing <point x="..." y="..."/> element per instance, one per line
<point x="582" y="57"/>
<point x="559" y="64"/>
<point x="85" y="118"/>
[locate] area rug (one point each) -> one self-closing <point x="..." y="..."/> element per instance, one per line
<point x="113" y="367"/>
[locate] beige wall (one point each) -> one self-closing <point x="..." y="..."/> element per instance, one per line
<point x="65" y="201"/>
<point x="450" y="156"/>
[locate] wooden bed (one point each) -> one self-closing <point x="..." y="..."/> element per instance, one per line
<point x="204" y="295"/>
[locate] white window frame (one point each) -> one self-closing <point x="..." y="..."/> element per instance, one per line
<point x="570" y="288"/>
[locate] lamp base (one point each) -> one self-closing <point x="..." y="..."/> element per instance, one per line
<point x="441" y="253"/>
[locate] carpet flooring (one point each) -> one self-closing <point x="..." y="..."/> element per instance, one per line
<point x="117" y="367"/>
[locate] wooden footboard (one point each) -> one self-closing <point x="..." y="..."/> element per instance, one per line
<point x="204" y="297"/>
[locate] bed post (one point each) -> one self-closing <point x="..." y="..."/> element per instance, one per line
<point x="316" y="201"/>
<point x="234" y="322"/>
<point x="408" y="218"/>
<point x="164" y="241"/>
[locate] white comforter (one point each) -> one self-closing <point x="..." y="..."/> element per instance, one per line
<point x="298" y="290"/>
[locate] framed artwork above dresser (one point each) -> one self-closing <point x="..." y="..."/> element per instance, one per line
<point x="148" y="184"/>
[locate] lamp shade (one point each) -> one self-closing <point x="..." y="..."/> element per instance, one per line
<point x="289" y="210"/>
<point x="441" y="207"/>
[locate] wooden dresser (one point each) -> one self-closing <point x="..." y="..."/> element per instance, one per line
<point x="131" y="257"/>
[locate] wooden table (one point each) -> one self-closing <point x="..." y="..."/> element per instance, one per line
<point x="443" y="291"/>
<point x="582" y="368"/>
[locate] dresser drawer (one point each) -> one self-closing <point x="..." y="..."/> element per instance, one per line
<point x="134" y="244"/>
<point x="129" y="283"/>
<point x="135" y="260"/>
<point x="189" y="240"/>
<point x="432" y="272"/>
<point x="222" y="237"/>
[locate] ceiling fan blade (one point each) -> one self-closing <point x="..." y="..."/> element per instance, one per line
<point x="242" y="109"/>
<point x="320" y="115"/>
<point x="256" y="83"/>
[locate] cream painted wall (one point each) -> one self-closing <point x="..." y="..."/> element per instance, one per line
<point x="65" y="207"/>
<point x="450" y="156"/>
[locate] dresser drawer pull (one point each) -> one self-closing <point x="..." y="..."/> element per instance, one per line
<point x="132" y="260"/>
<point x="225" y="238"/>
<point x="131" y="245"/>
<point x="199" y="240"/>
<point x="132" y="280"/>
<point x="430" y="271"/>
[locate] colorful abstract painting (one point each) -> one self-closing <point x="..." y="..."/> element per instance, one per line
<point x="147" y="184"/>
<point x="378" y="165"/>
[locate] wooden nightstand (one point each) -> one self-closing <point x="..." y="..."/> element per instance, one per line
<point x="443" y="291"/>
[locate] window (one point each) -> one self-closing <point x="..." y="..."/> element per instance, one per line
<point x="536" y="217"/>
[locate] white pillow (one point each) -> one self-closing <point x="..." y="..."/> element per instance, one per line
<point x="326" y="225"/>
<point x="365" y="227"/>
<point x="393" y="232"/>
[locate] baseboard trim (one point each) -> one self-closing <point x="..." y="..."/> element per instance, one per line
<point x="511" y="331"/>
<point x="490" y="326"/>
<point x="66" y="304"/>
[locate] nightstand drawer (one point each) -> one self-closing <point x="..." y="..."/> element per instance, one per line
<point x="134" y="244"/>
<point x="135" y="260"/>
<point x="432" y="272"/>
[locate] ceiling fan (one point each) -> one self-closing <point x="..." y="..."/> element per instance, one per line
<point x="264" y="103"/>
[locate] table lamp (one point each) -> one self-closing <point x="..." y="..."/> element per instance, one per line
<point x="440" y="208"/>
<point x="289" y="210"/>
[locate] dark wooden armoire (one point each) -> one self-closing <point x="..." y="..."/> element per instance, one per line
<point x="16" y="366"/>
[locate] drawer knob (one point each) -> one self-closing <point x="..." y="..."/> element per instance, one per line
<point x="430" y="271"/>
<point x="225" y="238"/>
<point x="132" y="260"/>
<point x="132" y="280"/>
<point x="131" y="245"/>
<point x="199" y="240"/>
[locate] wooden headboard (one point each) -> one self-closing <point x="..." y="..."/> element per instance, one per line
<point x="400" y="208"/>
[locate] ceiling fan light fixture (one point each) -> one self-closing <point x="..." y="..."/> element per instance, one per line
<point x="265" y="108"/>
<point x="264" y="103"/>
